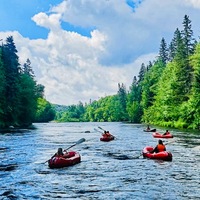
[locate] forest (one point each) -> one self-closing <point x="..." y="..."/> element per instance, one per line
<point x="166" y="92"/>
<point x="22" y="99"/>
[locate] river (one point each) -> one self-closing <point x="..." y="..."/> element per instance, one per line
<point x="108" y="170"/>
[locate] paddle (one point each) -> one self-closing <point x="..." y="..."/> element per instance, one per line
<point x="170" y="142"/>
<point x="97" y="130"/>
<point x="101" y="128"/>
<point x="78" y="142"/>
<point x="137" y="156"/>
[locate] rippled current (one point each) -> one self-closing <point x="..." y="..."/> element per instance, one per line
<point x="108" y="170"/>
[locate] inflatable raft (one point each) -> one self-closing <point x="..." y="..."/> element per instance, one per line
<point x="158" y="135"/>
<point x="152" y="130"/>
<point x="107" y="138"/>
<point x="164" y="155"/>
<point x="59" y="162"/>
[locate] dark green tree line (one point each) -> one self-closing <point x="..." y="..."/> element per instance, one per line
<point x="18" y="89"/>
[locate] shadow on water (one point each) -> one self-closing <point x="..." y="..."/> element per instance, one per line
<point x="9" y="194"/>
<point x="120" y="157"/>
<point x="8" y="167"/>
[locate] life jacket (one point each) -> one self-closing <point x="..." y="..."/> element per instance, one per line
<point x="108" y="134"/>
<point x="104" y="135"/>
<point x="161" y="147"/>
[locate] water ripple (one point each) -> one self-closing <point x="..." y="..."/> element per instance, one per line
<point x="108" y="171"/>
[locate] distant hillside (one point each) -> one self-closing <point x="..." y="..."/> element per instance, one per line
<point x="60" y="108"/>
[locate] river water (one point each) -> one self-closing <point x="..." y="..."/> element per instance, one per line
<point x="108" y="170"/>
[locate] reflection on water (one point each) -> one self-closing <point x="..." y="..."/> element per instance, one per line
<point x="111" y="170"/>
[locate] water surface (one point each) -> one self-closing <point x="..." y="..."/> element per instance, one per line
<point x="108" y="170"/>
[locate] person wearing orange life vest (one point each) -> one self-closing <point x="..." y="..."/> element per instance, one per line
<point x="160" y="147"/>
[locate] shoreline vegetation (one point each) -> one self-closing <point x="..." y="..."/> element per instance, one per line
<point x="165" y="93"/>
<point x="12" y="129"/>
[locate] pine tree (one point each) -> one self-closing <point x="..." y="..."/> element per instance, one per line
<point x="142" y="73"/>
<point x="171" y="51"/>
<point x="187" y="35"/>
<point x="163" y="51"/>
<point x="12" y="67"/>
<point x="175" y="45"/>
<point x="134" y="90"/>
<point x="2" y="91"/>
<point x="122" y="100"/>
<point x="149" y="65"/>
<point x="133" y="102"/>
<point x="28" y="95"/>
<point x="27" y="69"/>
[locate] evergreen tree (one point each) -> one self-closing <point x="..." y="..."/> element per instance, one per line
<point x="133" y="94"/>
<point x="134" y="109"/>
<point x="40" y="90"/>
<point x="182" y="69"/>
<point x="175" y="44"/>
<point x="171" y="51"/>
<point x="190" y="110"/>
<point x="142" y="73"/>
<point x="163" y="51"/>
<point x="2" y="91"/>
<point x="12" y="68"/>
<point x="149" y="65"/>
<point x="150" y="83"/>
<point x="28" y="96"/>
<point x="187" y="34"/>
<point x="122" y="100"/>
<point x="27" y="69"/>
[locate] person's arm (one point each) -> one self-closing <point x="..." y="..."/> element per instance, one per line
<point x="54" y="155"/>
<point x="155" y="150"/>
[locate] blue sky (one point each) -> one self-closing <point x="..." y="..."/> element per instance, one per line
<point x="17" y="14"/>
<point x="81" y="49"/>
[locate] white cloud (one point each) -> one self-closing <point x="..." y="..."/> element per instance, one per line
<point x="76" y="68"/>
<point x="51" y="22"/>
<point x="194" y="3"/>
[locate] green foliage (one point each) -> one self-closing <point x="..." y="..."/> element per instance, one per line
<point x="167" y="91"/>
<point x="191" y="109"/>
<point x="163" y="52"/>
<point x="18" y="89"/>
<point x="187" y="34"/>
<point x="45" y="111"/>
<point x="150" y="83"/>
<point x="28" y="100"/>
<point x="134" y="111"/>
<point x="2" y="92"/>
<point x="12" y="82"/>
<point x="176" y="101"/>
<point x="122" y="100"/>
